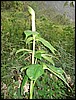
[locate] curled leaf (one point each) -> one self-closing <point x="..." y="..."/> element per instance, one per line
<point x="31" y="11"/>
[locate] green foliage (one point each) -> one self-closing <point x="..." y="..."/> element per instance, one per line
<point x="54" y="88"/>
<point x="58" y="72"/>
<point x="14" y="5"/>
<point x="62" y="37"/>
<point x="34" y="71"/>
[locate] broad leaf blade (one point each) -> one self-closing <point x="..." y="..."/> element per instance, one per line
<point x="47" y="44"/>
<point x="29" y="33"/>
<point x="48" y="58"/>
<point x="58" y="72"/>
<point x="34" y="71"/>
<point x="60" y="76"/>
<point x="25" y="67"/>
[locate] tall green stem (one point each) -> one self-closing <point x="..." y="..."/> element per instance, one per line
<point x="33" y="29"/>
<point x="31" y="89"/>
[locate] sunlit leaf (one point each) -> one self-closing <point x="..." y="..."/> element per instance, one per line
<point x="34" y="71"/>
<point x="56" y="71"/>
<point x="48" y="58"/>
<point x="47" y="44"/>
<point x="25" y="67"/>
<point x="29" y="33"/>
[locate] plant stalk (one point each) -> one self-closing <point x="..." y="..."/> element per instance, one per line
<point x="33" y="29"/>
<point x="32" y="12"/>
<point x="31" y="89"/>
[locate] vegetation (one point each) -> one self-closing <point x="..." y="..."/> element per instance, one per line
<point x="61" y="34"/>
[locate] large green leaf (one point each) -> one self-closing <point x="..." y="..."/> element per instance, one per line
<point x="23" y="83"/>
<point x="25" y="67"/>
<point x="47" y="44"/>
<point x="48" y="58"/>
<point x="34" y="71"/>
<point x="56" y="71"/>
<point x="29" y="33"/>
